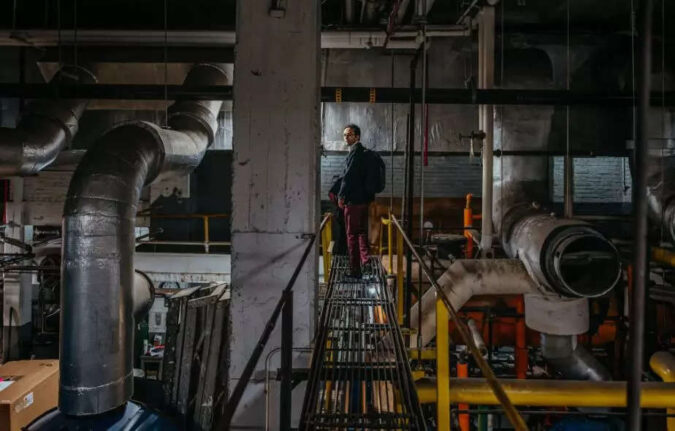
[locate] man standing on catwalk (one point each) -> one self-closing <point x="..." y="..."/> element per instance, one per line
<point x="354" y="197"/>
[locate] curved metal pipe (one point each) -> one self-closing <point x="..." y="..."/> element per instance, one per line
<point x="144" y="293"/>
<point x="45" y="129"/>
<point x="660" y="182"/>
<point x="467" y="278"/>
<point x="566" y="256"/>
<point x="98" y="244"/>
<point x="571" y="360"/>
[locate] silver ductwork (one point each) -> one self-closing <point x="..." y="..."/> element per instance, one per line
<point x="571" y="360"/>
<point x="97" y="276"/>
<point x="466" y="278"/>
<point x="565" y="256"/>
<point x="661" y="184"/>
<point x="46" y="128"/>
<point x="143" y="294"/>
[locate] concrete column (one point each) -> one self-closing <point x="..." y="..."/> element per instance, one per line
<point x="275" y="186"/>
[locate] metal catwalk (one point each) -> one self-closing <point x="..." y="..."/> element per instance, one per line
<point x="360" y="377"/>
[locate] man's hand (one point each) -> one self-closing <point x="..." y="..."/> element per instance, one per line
<point x="332" y="197"/>
<point x="341" y="203"/>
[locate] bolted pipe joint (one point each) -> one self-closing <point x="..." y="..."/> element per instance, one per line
<point x="46" y="128"/>
<point x="567" y="256"/>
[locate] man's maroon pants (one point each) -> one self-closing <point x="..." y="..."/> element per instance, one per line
<point x="356" y="223"/>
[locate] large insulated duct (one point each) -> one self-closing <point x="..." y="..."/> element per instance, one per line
<point x="466" y="278"/>
<point x="98" y="247"/>
<point x="565" y="256"/>
<point x="661" y="184"/>
<point x="45" y="129"/>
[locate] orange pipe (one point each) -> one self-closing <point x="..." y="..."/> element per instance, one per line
<point x="521" y="341"/>
<point x="464" y="420"/>
<point x="468" y="223"/>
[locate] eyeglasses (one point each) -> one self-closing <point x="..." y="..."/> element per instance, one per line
<point x="348" y="134"/>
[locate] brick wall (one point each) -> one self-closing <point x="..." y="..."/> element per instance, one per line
<point x="445" y="176"/>
<point x="599" y="179"/>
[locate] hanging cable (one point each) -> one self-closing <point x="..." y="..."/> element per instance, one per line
<point x="166" y="62"/>
<point x="393" y="143"/>
<point x="75" y="33"/>
<point x="568" y="168"/>
<point x="58" y="32"/>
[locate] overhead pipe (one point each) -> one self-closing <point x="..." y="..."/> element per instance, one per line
<point x="45" y="129"/>
<point x="98" y="244"/>
<point x="343" y="39"/>
<point x="565" y="256"/>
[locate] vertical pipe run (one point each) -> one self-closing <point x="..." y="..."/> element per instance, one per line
<point x="640" y="261"/>
<point x="423" y="155"/>
<point x="442" y="367"/>
<point x="410" y="170"/>
<point x="285" y="404"/>
<point x="486" y="47"/>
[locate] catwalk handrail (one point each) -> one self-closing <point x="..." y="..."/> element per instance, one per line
<point x="511" y="413"/>
<point x="238" y="392"/>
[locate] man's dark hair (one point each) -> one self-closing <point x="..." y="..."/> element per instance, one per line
<point x="356" y="129"/>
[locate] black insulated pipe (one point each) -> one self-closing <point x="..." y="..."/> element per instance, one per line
<point x="640" y="211"/>
<point x="46" y="128"/>
<point x="97" y="274"/>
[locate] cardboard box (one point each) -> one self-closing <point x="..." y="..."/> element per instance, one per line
<point x="27" y="390"/>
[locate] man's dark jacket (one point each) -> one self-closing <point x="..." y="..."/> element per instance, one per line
<point x="353" y="183"/>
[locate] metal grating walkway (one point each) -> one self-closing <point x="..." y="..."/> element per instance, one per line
<point x="360" y="376"/>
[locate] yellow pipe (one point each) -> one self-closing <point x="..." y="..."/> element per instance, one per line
<point x="663" y="255"/>
<point x="550" y="393"/>
<point x="442" y="367"/>
<point x="326" y="239"/>
<point x="663" y="364"/>
<point x="428" y="354"/>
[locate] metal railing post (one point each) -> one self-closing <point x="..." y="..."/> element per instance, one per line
<point x="442" y="367"/>
<point x="286" y="392"/>
<point x="390" y="251"/>
<point x="238" y="391"/>
<point x="399" y="278"/>
<point x="326" y="239"/>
